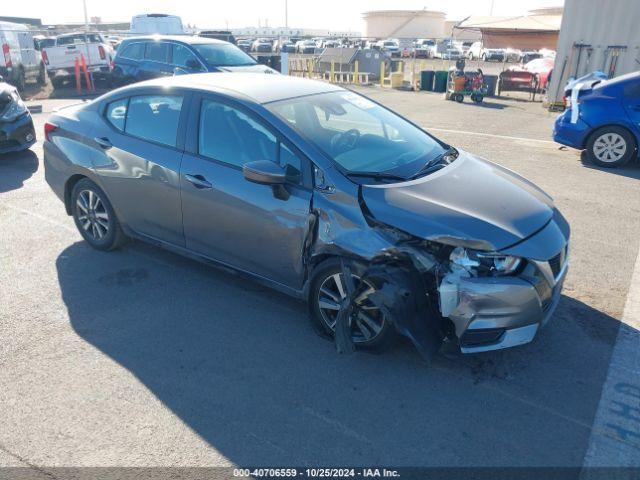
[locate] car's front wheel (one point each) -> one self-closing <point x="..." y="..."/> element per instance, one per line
<point x="611" y="147"/>
<point x="370" y="329"/>
<point x="94" y="216"/>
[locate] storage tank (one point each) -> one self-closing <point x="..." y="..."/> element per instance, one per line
<point x="404" y="24"/>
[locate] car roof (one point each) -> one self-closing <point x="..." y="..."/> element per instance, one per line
<point x="188" y="39"/>
<point x="257" y="87"/>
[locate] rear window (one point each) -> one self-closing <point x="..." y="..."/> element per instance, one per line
<point x="133" y="51"/>
<point x="79" y="39"/>
<point x="154" y="118"/>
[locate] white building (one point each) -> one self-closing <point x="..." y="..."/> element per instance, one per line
<point x="404" y="24"/>
<point x="288" y="32"/>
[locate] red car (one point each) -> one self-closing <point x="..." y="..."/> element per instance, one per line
<point x="533" y="77"/>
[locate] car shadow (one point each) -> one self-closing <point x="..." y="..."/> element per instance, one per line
<point x="15" y="168"/>
<point x="630" y="170"/>
<point x="240" y="365"/>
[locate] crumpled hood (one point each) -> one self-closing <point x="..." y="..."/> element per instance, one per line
<point x="248" y="69"/>
<point x="488" y="206"/>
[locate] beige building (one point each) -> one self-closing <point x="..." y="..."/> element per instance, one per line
<point x="404" y="24"/>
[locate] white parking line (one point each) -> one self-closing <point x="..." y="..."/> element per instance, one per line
<point x="490" y="135"/>
<point x="615" y="435"/>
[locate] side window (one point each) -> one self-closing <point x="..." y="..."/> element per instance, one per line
<point x="154" y="117"/>
<point x="133" y="51"/>
<point x="229" y="135"/>
<point x="157" y="51"/>
<point x="181" y="55"/>
<point x="117" y="113"/>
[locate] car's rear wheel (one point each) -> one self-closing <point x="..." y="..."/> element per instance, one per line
<point x="370" y="329"/>
<point x="94" y="216"/>
<point x="611" y="147"/>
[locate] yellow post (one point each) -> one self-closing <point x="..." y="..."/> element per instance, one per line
<point x="382" y="73"/>
<point x="331" y="74"/>
<point x="400" y="66"/>
<point x="310" y="68"/>
<point x="356" y="74"/>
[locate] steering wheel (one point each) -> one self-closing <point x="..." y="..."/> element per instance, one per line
<point x="345" y="140"/>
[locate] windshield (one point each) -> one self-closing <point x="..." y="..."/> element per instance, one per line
<point x="358" y="134"/>
<point x="223" y="55"/>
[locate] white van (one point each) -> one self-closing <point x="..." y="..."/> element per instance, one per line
<point x="157" y="23"/>
<point x="19" y="60"/>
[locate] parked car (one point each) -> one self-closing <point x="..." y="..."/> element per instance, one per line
<point x="391" y="47"/>
<point x="464" y="47"/>
<point x="224" y="35"/>
<point x="423" y="48"/>
<point x="60" y="58"/>
<point x="20" y="62"/>
<point x="143" y="58"/>
<point x="529" y="55"/>
<point x="305" y="46"/>
<point x="477" y="51"/>
<point x="159" y="23"/>
<point x="244" y="44"/>
<point x="543" y="69"/>
<point x="16" y="125"/>
<point x="301" y="185"/>
<point x="283" y="45"/>
<point x="262" y="45"/>
<point x="512" y="55"/>
<point x="603" y="118"/>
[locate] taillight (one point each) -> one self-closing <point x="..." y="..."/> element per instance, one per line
<point x="45" y="57"/>
<point x="48" y="129"/>
<point x="7" y="55"/>
<point x="102" y="53"/>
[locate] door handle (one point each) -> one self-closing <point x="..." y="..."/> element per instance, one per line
<point x="197" y="181"/>
<point x="104" y="142"/>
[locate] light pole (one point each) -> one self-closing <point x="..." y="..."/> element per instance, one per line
<point x="286" y="13"/>
<point x="86" y="17"/>
<point x="491" y="11"/>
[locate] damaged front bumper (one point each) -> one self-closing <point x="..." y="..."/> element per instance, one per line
<point x="492" y="313"/>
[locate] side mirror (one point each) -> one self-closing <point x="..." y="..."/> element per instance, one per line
<point x="264" y="172"/>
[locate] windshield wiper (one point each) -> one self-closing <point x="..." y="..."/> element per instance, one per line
<point x="377" y="176"/>
<point x="438" y="162"/>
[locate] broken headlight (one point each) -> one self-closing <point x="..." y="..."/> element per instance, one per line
<point x="479" y="263"/>
<point x="15" y="109"/>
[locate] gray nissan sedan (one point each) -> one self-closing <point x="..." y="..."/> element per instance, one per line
<point x="323" y="194"/>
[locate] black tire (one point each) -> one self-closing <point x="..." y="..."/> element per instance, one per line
<point x="42" y="75"/>
<point x="478" y="98"/>
<point x="459" y="98"/>
<point x="380" y="342"/>
<point x="21" y="81"/>
<point x="97" y="224"/>
<point x="604" y="147"/>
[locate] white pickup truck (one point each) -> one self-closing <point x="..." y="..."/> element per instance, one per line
<point x="60" y="56"/>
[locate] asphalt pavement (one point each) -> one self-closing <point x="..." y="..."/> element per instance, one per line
<point x="140" y="357"/>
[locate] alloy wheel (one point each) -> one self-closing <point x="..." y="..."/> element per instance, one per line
<point x="609" y="147"/>
<point x="92" y="214"/>
<point x="367" y="322"/>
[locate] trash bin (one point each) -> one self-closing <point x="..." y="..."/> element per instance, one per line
<point x="440" y="82"/>
<point x="491" y="82"/>
<point x="426" y="80"/>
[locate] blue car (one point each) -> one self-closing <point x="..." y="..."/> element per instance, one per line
<point x="603" y="119"/>
<point x="154" y="56"/>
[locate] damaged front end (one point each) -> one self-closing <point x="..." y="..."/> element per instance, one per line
<point x="443" y="286"/>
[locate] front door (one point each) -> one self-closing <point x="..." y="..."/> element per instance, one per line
<point x="232" y="220"/>
<point x="139" y="163"/>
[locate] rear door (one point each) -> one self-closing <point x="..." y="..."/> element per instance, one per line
<point x="631" y="102"/>
<point x="141" y="140"/>
<point x="230" y="219"/>
<point x="157" y="61"/>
